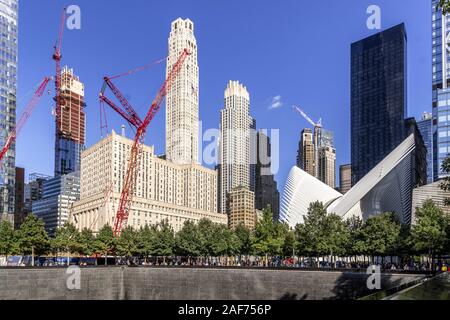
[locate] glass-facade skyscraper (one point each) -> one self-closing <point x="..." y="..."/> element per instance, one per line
<point x="441" y="88"/>
<point x="8" y="90"/>
<point x="425" y="126"/>
<point x="378" y="98"/>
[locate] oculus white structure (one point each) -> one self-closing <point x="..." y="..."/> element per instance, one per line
<point x="386" y="188"/>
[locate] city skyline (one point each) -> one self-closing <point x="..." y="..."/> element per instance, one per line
<point x="240" y="65"/>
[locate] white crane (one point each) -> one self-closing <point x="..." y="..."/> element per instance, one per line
<point x="307" y="118"/>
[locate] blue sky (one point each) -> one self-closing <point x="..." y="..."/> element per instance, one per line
<point x="296" y="49"/>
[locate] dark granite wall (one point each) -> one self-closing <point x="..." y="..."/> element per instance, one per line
<point x="190" y="284"/>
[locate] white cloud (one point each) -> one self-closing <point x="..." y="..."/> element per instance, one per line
<point x="276" y="103"/>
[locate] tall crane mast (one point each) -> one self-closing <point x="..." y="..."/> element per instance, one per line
<point x="24" y="117"/>
<point x="130" y="115"/>
<point x="57" y="56"/>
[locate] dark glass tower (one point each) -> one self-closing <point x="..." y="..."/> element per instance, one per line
<point x="9" y="10"/>
<point x="378" y="98"/>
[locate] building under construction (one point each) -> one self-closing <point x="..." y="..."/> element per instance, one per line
<point x="70" y="130"/>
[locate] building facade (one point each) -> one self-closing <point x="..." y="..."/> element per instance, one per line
<point x="241" y="208"/>
<point x="442" y="132"/>
<point x="163" y="189"/>
<point x="9" y="10"/>
<point x="58" y="196"/>
<point x="34" y="189"/>
<point x="378" y="98"/>
<point x="182" y="101"/>
<point x="345" y="178"/>
<point x="19" y="195"/>
<point x="425" y="126"/>
<point x="70" y="136"/>
<point x="441" y="84"/>
<point x="235" y="142"/>
<point x="327" y="166"/>
<point x="305" y="153"/>
<point x="266" y="191"/>
<point x="433" y="192"/>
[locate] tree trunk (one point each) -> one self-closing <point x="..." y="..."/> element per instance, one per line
<point x="32" y="256"/>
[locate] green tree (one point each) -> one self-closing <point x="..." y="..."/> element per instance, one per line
<point x="187" y="241"/>
<point x="224" y="242"/>
<point x="354" y="246"/>
<point x="32" y="238"/>
<point x="244" y="240"/>
<point x="164" y="242"/>
<point x="67" y="240"/>
<point x="206" y="230"/>
<point x="8" y="244"/>
<point x="87" y="242"/>
<point x="445" y="6"/>
<point x="146" y="241"/>
<point x="105" y="241"/>
<point x="127" y="243"/>
<point x="311" y="240"/>
<point x="429" y="233"/>
<point x="381" y="235"/>
<point x="268" y="237"/>
<point x="337" y="237"/>
<point x="290" y="244"/>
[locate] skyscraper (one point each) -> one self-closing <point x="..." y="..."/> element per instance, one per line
<point x="60" y="192"/>
<point x="266" y="191"/>
<point x="19" y="194"/>
<point x="426" y="130"/>
<point x="235" y="142"/>
<point x="70" y="136"/>
<point x="182" y="102"/>
<point x="327" y="166"/>
<point x="378" y="98"/>
<point x="441" y="90"/>
<point x="316" y="155"/>
<point x="8" y="89"/>
<point x="345" y="178"/>
<point x="58" y="195"/>
<point x="305" y="153"/>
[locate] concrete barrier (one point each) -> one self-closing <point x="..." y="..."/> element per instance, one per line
<point x="123" y="283"/>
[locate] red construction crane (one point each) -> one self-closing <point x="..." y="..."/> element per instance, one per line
<point x="130" y="115"/>
<point x="24" y="117"/>
<point x="57" y="56"/>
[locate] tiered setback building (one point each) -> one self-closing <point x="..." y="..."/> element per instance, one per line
<point x="182" y="106"/>
<point x="235" y="142"/>
<point x="164" y="190"/>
